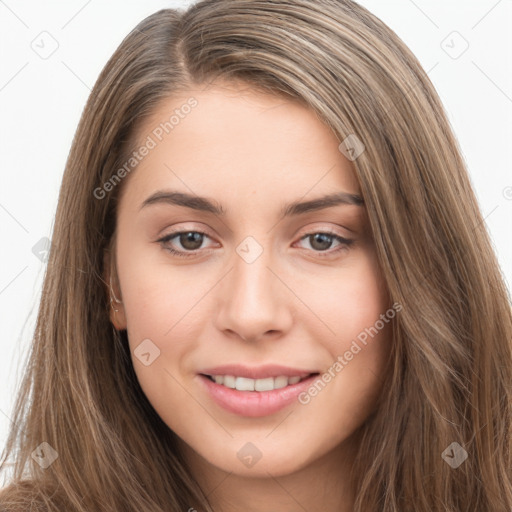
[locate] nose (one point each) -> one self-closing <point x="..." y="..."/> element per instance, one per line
<point x="253" y="303"/>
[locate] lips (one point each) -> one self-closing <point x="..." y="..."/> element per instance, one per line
<point x="255" y="391"/>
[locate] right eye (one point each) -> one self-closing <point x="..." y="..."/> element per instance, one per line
<point x="189" y="242"/>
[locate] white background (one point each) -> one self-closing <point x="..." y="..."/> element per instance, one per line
<point x="41" y="101"/>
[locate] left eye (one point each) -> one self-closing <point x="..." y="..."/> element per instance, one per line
<point x="191" y="241"/>
<point x="321" y="242"/>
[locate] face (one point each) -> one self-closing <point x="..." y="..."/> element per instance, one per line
<point x="243" y="289"/>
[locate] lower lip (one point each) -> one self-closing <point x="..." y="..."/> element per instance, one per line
<point x="254" y="403"/>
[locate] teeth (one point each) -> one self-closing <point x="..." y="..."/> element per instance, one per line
<point x="280" y="382"/>
<point x="264" y="384"/>
<point x="229" y="381"/>
<point x="245" y="384"/>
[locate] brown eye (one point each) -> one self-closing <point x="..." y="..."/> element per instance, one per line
<point x="183" y="243"/>
<point x="191" y="240"/>
<point x="320" y="241"/>
<point x="326" y="244"/>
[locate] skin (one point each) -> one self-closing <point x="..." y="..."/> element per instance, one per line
<point x="252" y="153"/>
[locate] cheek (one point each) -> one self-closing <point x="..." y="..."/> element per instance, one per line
<point x="166" y="305"/>
<point x="157" y="297"/>
<point x="356" y="308"/>
<point x="162" y="306"/>
<point x="350" y="300"/>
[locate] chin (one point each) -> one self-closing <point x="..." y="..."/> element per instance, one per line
<point x="259" y="458"/>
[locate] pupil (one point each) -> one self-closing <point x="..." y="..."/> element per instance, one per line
<point x="324" y="240"/>
<point x="191" y="240"/>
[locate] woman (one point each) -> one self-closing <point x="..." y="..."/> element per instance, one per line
<point x="270" y="285"/>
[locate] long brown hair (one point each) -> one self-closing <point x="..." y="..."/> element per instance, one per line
<point x="451" y="378"/>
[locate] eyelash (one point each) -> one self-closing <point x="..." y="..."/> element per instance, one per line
<point x="345" y="243"/>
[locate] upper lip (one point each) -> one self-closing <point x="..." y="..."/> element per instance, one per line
<point x="257" y="372"/>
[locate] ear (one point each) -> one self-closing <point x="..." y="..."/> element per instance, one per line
<point x="114" y="300"/>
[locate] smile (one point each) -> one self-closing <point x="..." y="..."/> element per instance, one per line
<point x="254" y="392"/>
<point x="247" y="384"/>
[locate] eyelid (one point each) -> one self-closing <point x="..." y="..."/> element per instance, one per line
<point x="179" y="231"/>
<point x="311" y="230"/>
<point x="186" y="229"/>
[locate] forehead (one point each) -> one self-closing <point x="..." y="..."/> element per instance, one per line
<point x="238" y="142"/>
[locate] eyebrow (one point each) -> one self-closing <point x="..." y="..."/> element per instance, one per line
<point x="208" y="205"/>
